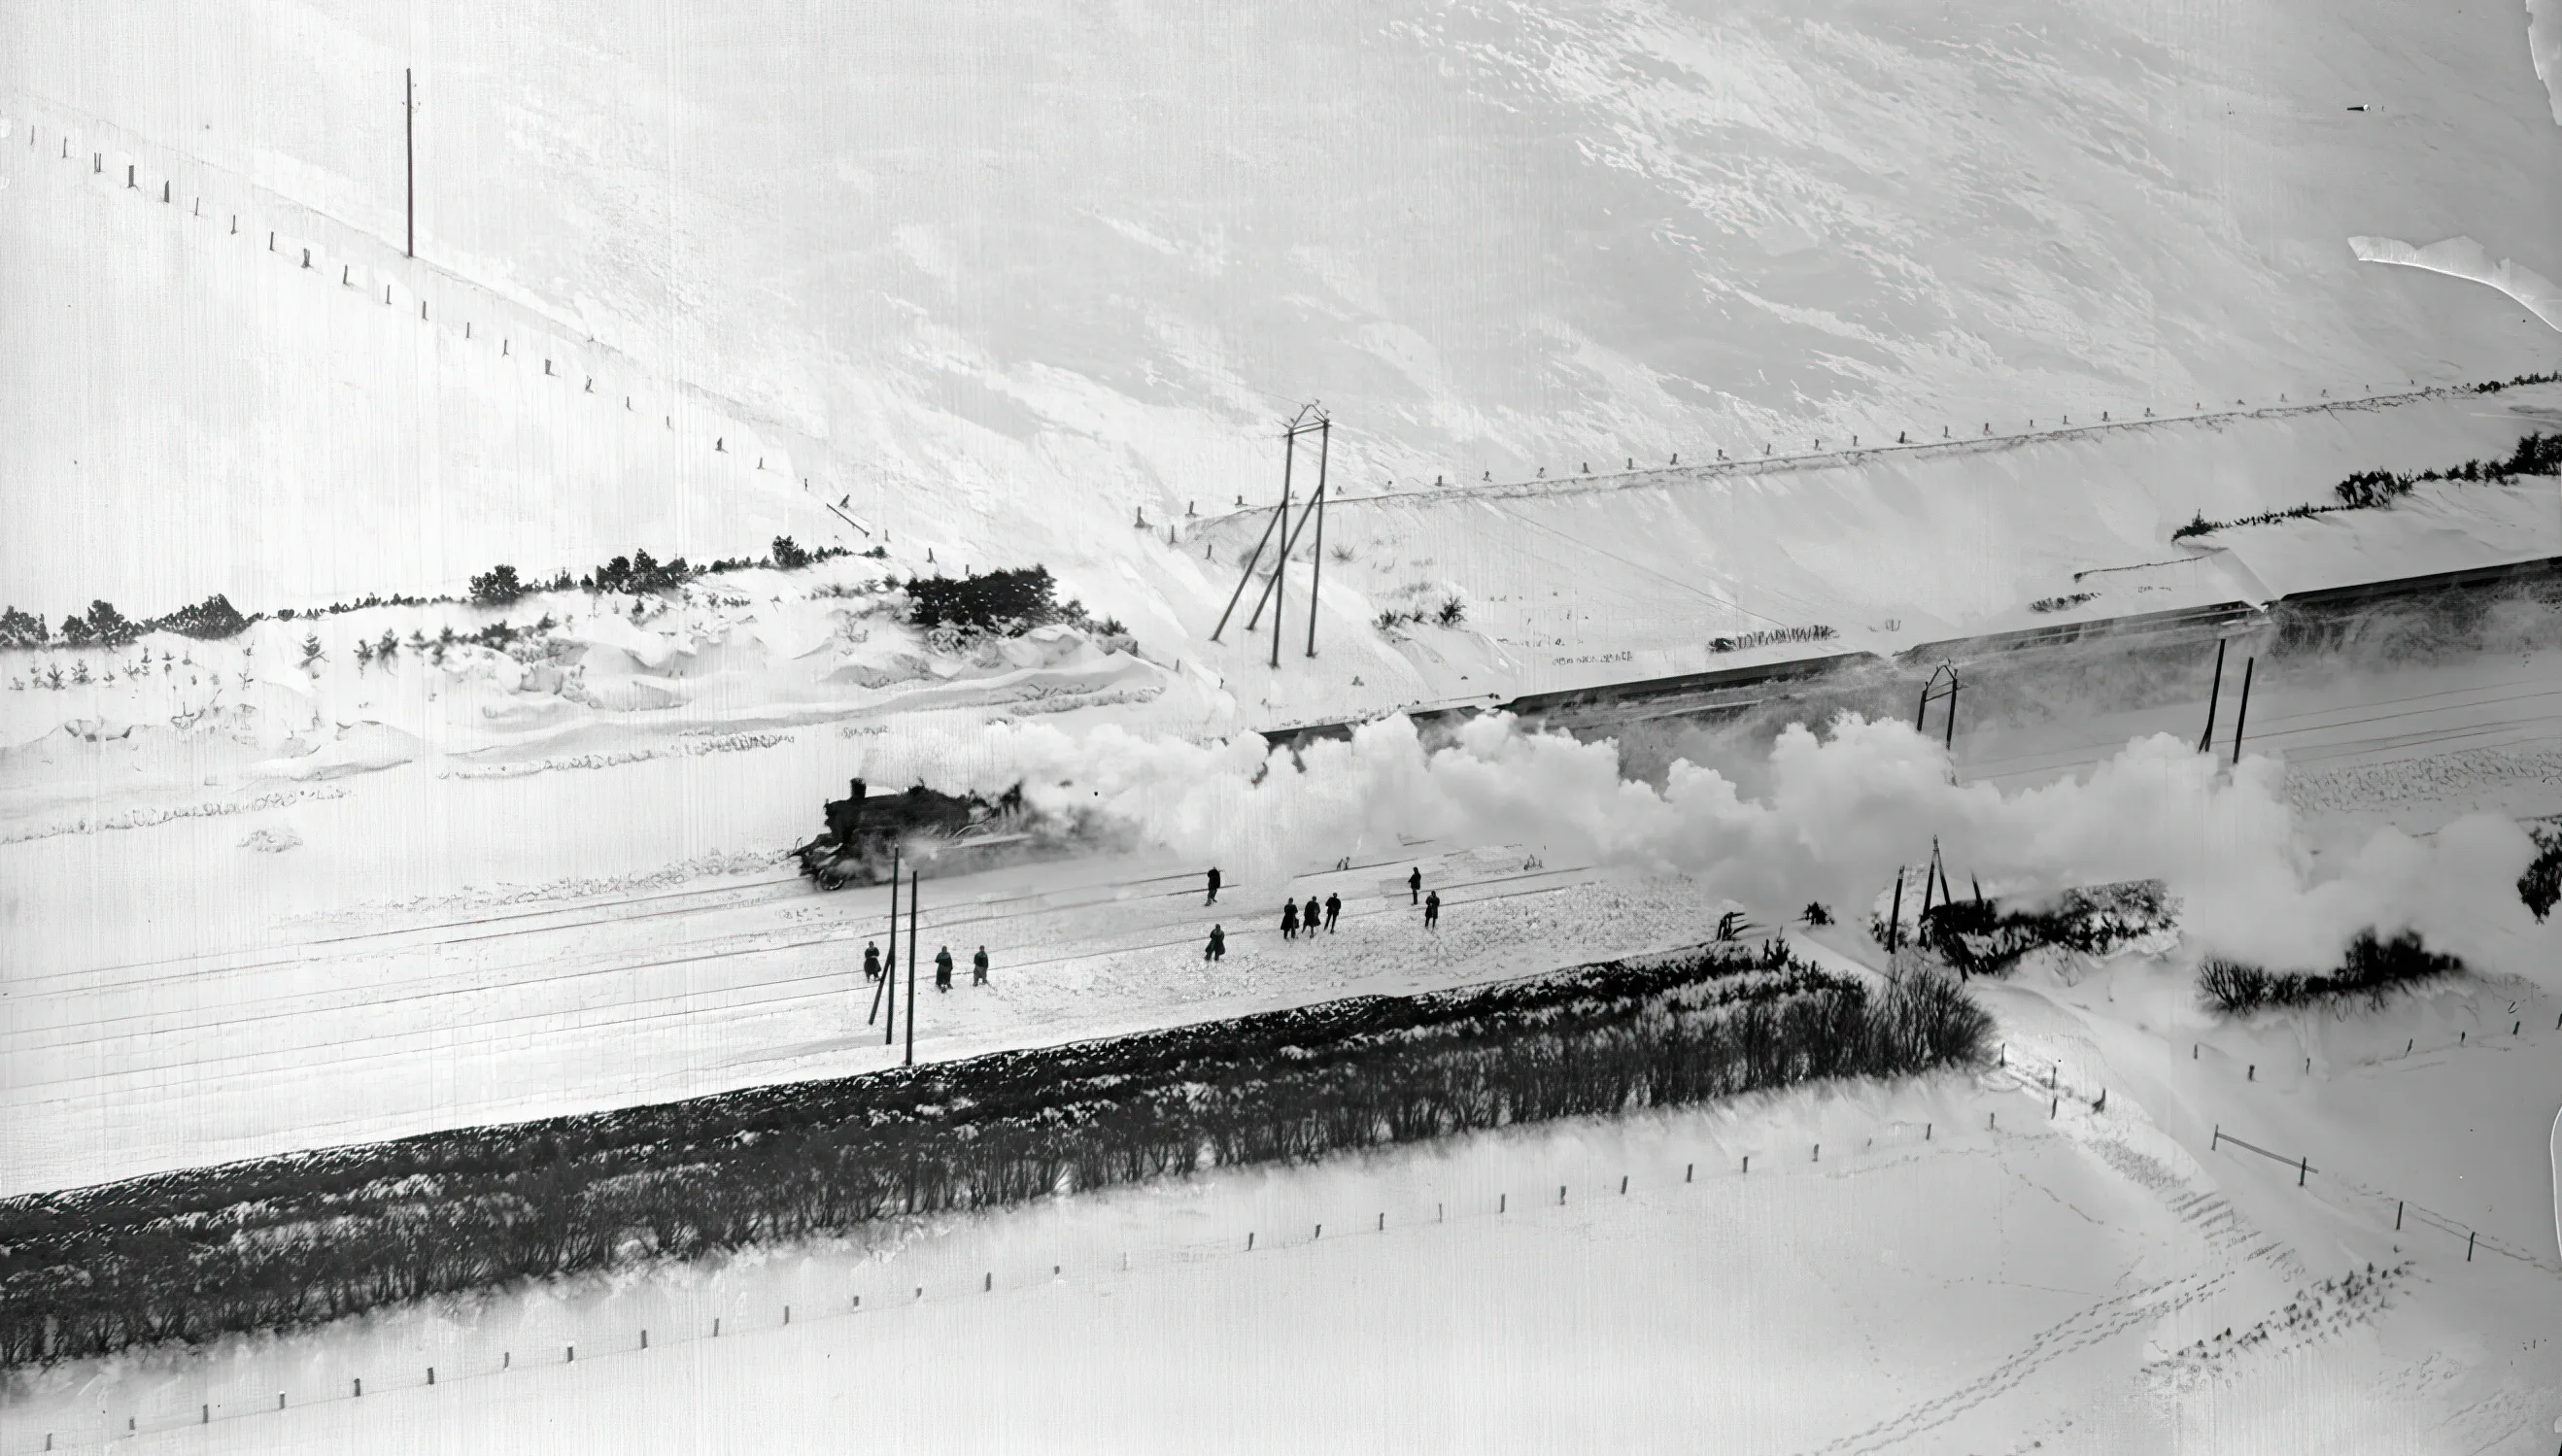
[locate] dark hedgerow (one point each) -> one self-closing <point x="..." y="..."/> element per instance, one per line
<point x="211" y="620"/>
<point x="2535" y="455"/>
<point x="296" y="1240"/>
<point x="2372" y="968"/>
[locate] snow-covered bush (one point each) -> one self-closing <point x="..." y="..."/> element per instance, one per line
<point x="22" y="630"/>
<point x="1006" y="603"/>
<point x="2541" y="885"/>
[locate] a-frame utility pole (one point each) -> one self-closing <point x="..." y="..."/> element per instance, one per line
<point x="1311" y="420"/>
<point x="1943" y="684"/>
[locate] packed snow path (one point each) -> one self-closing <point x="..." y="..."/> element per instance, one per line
<point x="530" y="1012"/>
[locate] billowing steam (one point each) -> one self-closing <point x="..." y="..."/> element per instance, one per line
<point x="1844" y="809"/>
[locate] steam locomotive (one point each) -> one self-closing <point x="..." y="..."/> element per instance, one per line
<point x="920" y="826"/>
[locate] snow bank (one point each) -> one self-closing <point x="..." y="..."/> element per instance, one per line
<point x="1845" y="809"/>
<point x="2544" y="46"/>
<point x="2462" y="257"/>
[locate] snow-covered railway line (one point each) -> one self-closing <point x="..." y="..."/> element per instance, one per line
<point x="388" y="993"/>
<point x="297" y="1010"/>
<point x="787" y="890"/>
<point x="78" y="1109"/>
<point x="2521" y="700"/>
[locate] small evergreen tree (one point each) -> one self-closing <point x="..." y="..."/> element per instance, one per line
<point x="496" y="587"/>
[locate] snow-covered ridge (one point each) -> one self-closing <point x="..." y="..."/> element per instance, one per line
<point x="2462" y="257"/>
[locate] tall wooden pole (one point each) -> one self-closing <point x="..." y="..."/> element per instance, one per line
<point x="1952" y="743"/>
<point x="409" y="149"/>
<point x="890" y="970"/>
<point x="2214" y="695"/>
<point x="911" y="967"/>
<point x="2241" y="715"/>
<point x="1281" y="567"/>
<point x="1325" y="437"/>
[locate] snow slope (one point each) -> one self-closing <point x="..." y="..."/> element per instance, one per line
<point x="1004" y="273"/>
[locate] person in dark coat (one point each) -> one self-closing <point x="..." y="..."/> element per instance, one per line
<point x="1310" y="916"/>
<point x="872" y="961"/>
<point x="943" y="969"/>
<point x="1334" y="912"/>
<point x="1289" y="920"/>
<point x="1415" y="885"/>
<point x="1217" y="945"/>
<point x="1432" y="911"/>
<point x="1213" y="886"/>
<point x="978" y="967"/>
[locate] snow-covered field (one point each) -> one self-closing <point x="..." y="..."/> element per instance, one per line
<point x="1966" y="1264"/>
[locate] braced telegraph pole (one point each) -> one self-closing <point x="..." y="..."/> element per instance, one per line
<point x="1310" y="419"/>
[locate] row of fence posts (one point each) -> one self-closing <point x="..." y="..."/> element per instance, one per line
<point x="1949" y="436"/>
<point x="346" y="276"/>
<point x="988" y="1279"/>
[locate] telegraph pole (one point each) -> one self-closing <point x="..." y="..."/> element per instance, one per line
<point x="911" y="967"/>
<point x="409" y="149"/>
<point x="890" y="970"/>
<point x="1311" y="420"/>
<point x="2214" y="695"/>
<point x="1281" y="563"/>
<point x="1325" y="437"/>
<point x="2241" y="715"/>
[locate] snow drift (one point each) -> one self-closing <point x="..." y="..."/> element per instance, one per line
<point x="1846" y="806"/>
<point x="2462" y="257"/>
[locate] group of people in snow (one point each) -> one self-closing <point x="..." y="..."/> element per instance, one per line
<point x="1298" y="920"/>
<point x="942" y="966"/>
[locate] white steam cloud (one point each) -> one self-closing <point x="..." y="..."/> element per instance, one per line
<point x="1844" y="809"/>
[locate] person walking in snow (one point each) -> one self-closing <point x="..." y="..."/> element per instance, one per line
<point x="943" y="969"/>
<point x="1217" y="947"/>
<point x="872" y="961"/>
<point x="1334" y="912"/>
<point x="1289" y="920"/>
<point x="1432" y="911"/>
<point x="978" y="967"/>
<point x="1310" y="916"/>
<point x="1414" y="886"/>
<point x="1213" y="886"/>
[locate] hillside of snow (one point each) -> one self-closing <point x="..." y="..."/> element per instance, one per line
<point x="1000" y="276"/>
